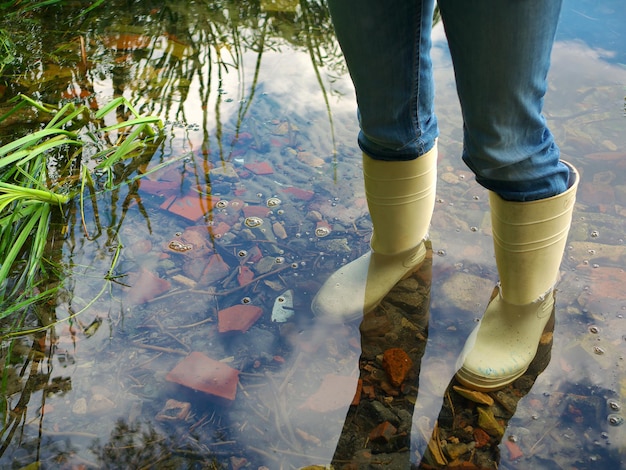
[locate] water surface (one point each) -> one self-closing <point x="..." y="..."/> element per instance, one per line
<point x="263" y="197"/>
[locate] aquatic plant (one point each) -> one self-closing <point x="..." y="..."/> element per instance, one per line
<point x="42" y="171"/>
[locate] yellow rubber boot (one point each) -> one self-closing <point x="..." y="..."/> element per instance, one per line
<point x="401" y="198"/>
<point x="529" y="240"/>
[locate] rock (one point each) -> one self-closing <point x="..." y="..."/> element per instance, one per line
<point x="334" y="245"/>
<point x="99" y="404"/>
<point x="80" y="406"/>
<point x="207" y="375"/>
<point x="454" y="451"/>
<point x="397" y="364"/>
<point x="466" y="291"/>
<point x="381" y="413"/>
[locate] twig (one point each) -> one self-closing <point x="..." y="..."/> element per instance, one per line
<point x="159" y="348"/>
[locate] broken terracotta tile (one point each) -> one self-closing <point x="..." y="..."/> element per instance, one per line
<point x="397" y="364"/>
<point x="245" y="275"/>
<point x="256" y="211"/>
<point x="335" y="392"/>
<point x="159" y="188"/>
<point x="215" y="270"/>
<point x="218" y="230"/>
<point x="514" y="450"/>
<point x="145" y="286"/>
<point x="259" y="168"/>
<point x="383" y="432"/>
<point x="238" y="318"/>
<point x="190" y="206"/>
<point x="207" y="375"/>
<point x="298" y="193"/>
<point x="174" y="410"/>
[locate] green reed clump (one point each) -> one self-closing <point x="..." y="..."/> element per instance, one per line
<point x="28" y="192"/>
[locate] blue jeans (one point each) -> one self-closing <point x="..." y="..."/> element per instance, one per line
<point x="501" y="55"/>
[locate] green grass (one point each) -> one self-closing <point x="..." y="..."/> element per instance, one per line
<point x="29" y="194"/>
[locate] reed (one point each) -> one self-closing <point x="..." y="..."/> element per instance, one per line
<point x="29" y="194"/>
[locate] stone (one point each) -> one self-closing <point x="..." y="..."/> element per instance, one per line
<point x="99" y="404"/>
<point x="463" y="290"/>
<point x="200" y="372"/>
<point x="397" y="364"/>
<point x="238" y="318"/>
<point x="80" y="406"/>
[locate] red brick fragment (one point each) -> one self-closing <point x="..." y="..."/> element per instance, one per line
<point x="207" y="375"/>
<point x="397" y="364"/>
<point x="238" y="318"/>
<point x="481" y="438"/>
<point x="383" y="432"/>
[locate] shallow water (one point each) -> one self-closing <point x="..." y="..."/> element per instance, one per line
<point x="260" y="127"/>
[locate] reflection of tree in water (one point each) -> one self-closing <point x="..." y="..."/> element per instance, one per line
<point x="142" y="446"/>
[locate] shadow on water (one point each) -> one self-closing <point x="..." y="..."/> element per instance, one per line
<point x="195" y="346"/>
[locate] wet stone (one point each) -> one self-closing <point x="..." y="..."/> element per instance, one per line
<point x="456" y="450"/>
<point x="461" y="289"/>
<point x="335" y="245"/>
<point x="380" y="412"/>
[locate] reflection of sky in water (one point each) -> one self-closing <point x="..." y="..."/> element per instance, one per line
<point x="599" y="25"/>
<point x="590" y="46"/>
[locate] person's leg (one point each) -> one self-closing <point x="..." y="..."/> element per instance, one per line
<point x="501" y="55"/>
<point x="386" y="46"/>
<point x="387" y="49"/>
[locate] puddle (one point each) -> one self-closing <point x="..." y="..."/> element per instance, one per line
<point x="188" y="339"/>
